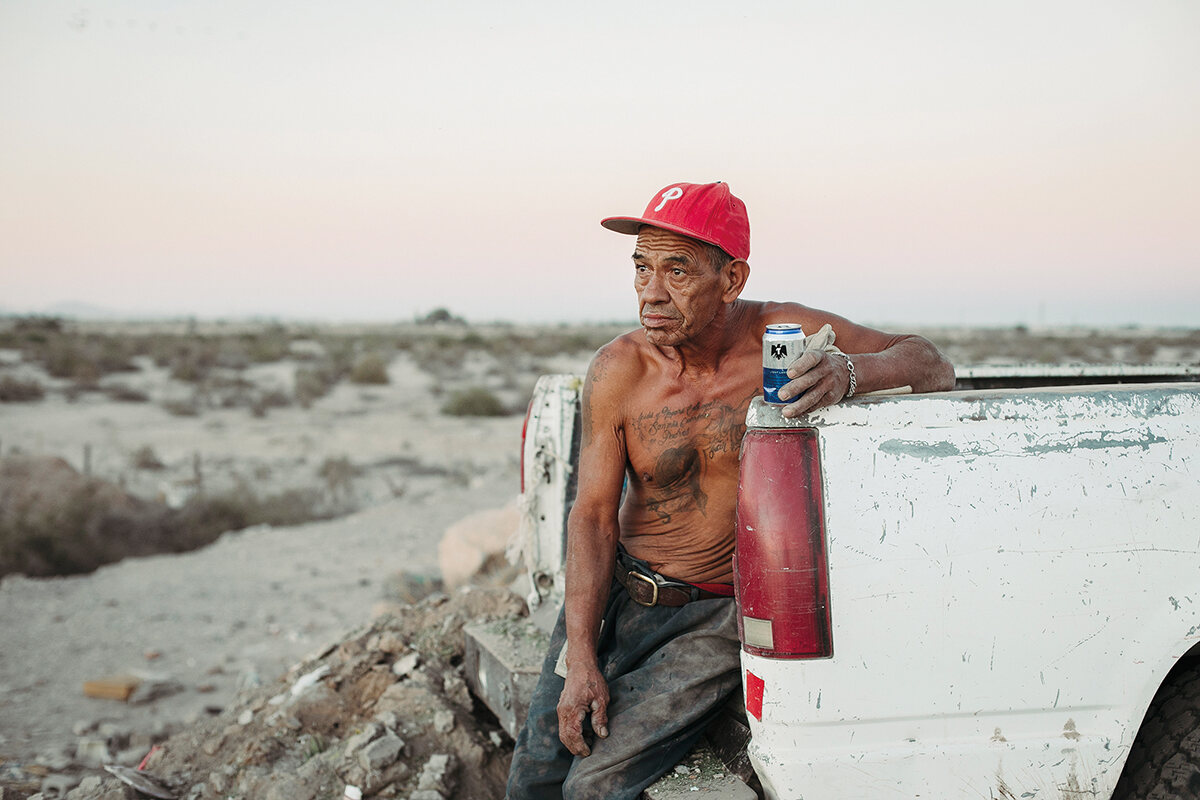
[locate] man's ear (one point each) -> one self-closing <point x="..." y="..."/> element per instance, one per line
<point x="735" y="273"/>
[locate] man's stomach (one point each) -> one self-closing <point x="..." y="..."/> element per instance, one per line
<point x="692" y="550"/>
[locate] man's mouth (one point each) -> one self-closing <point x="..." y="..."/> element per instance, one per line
<point x="652" y="320"/>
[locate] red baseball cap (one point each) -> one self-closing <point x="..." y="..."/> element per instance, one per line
<point x="705" y="211"/>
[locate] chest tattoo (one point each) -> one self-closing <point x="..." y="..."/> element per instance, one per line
<point x="686" y="440"/>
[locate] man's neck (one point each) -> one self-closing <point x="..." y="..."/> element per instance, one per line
<point x="703" y="354"/>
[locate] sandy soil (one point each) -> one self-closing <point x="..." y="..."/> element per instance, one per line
<point x="256" y="601"/>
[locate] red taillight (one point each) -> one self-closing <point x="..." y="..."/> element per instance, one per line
<point x="780" y="570"/>
<point x="524" y="430"/>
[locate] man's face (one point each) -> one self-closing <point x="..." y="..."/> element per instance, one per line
<point x="678" y="291"/>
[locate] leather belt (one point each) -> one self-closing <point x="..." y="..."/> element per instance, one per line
<point x="647" y="588"/>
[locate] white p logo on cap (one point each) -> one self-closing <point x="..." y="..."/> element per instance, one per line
<point x="674" y="193"/>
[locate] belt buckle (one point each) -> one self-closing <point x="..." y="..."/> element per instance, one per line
<point x="654" y="599"/>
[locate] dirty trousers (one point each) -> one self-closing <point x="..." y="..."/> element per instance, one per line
<point x="669" y="672"/>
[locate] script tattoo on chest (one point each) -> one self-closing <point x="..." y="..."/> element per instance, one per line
<point x="686" y="441"/>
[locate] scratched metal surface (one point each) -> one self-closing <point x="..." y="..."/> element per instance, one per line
<point x="1012" y="573"/>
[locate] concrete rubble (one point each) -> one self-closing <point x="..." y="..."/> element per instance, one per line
<point x="385" y="711"/>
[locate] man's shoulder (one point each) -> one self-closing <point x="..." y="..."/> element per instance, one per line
<point x="619" y="362"/>
<point x="771" y="312"/>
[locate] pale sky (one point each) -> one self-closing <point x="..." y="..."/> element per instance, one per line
<point x="908" y="162"/>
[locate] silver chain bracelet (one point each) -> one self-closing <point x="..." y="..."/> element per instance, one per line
<point x="853" y="378"/>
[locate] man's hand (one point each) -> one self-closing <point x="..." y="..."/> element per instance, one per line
<point x="585" y="692"/>
<point x="819" y="378"/>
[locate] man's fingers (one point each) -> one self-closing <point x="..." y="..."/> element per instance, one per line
<point x="570" y="732"/>
<point x="807" y="360"/>
<point x="600" y="718"/>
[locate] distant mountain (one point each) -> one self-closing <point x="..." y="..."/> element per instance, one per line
<point x="73" y="310"/>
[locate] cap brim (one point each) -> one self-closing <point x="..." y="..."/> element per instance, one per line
<point x="631" y="225"/>
<point x="628" y="225"/>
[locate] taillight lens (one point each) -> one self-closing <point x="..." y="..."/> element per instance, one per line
<point x="781" y="573"/>
<point x="524" y="431"/>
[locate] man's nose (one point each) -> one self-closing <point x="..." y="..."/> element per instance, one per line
<point x="654" y="290"/>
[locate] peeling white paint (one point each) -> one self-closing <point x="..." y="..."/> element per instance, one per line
<point x="1016" y="566"/>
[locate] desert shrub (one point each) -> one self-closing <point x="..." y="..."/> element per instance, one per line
<point x="369" y="369"/>
<point x="124" y="393"/>
<point x="182" y="408"/>
<point x="204" y="517"/>
<point x="441" y="316"/>
<point x="145" y="458"/>
<point x="64" y="358"/>
<point x="272" y="398"/>
<point x="269" y="345"/>
<point x="193" y="359"/>
<point x="82" y="523"/>
<point x="474" y="402"/>
<point x="313" y="383"/>
<point x="14" y="390"/>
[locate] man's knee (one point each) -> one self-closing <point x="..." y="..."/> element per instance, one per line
<point x="590" y="779"/>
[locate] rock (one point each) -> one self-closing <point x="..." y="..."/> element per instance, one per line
<point x="457" y="692"/>
<point x="90" y="785"/>
<point x="426" y="794"/>
<point x="56" y="760"/>
<point x="381" y="753"/>
<point x="390" y="643"/>
<point x="443" y="721"/>
<point x="406" y="664"/>
<point x="363" y="738"/>
<point x="473" y="548"/>
<point x="92" y="751"/>
<point x="246" y="717"/>
<point x="437" y="774"/>
<point x="388" y="719"/>
<point x="58" y="785"/>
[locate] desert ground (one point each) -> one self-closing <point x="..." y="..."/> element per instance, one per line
<point x="345" y="452"/>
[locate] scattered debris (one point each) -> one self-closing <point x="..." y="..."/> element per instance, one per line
<point x="142" y="781"/>
<point x="113" y="687"/>
<point x="345" y="721"/>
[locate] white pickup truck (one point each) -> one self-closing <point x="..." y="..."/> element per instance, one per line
<point x="986" y="593"/>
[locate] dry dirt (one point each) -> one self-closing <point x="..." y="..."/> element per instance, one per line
<point x="226" y="634"/>
<point x="214" y="631"/>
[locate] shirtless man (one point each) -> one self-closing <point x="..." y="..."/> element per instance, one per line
<point x="664" y="412"/>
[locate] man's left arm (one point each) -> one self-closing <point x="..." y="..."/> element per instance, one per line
<point x="880" y="361"/>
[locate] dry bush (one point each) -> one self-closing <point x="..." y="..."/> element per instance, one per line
<point x="370" y="368"/>
<point x="474" y="402"/>
<point x="313" y="383"/>
<point x="182" y="408"/>
<point x="145" y="458"/>
<point x="14" y="390"/>
<point x="124" y="393"/>
<point x="54" y="521"/>
<point x="272" y="398"/>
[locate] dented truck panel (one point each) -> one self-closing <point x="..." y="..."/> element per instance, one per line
<point x="1012" y="573"/>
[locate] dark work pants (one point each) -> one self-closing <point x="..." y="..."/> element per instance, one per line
<point x="669" y="671"/>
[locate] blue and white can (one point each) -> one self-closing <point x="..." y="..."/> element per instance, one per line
<point x="782" y="344"/>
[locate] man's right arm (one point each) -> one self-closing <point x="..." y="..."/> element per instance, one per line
<point x="592" y="535"/>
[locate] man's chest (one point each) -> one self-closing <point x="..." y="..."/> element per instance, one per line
<point x="677" y="441"/>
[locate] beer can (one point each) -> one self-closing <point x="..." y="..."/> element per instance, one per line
<point x="782" y="344"/>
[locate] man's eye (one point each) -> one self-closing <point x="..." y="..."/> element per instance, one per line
<point x="678" y="272"/>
